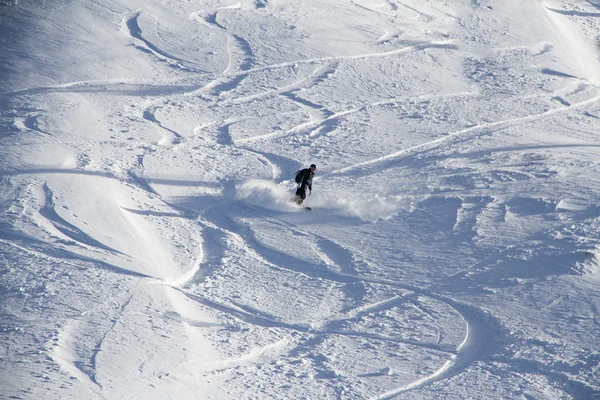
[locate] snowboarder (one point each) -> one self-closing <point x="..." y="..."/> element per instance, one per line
<point x="304" y="179"/>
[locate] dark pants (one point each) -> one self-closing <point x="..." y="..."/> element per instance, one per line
<point x="300" y="194"/>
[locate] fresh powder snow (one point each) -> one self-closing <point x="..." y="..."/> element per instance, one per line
<point x="149" y="247"/>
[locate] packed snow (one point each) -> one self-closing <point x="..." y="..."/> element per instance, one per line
<point x="149" y="247"/>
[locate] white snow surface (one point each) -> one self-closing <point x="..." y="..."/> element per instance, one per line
<point x="149" y="248"/>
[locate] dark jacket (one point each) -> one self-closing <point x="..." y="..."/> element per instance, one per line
<point x="306" y="177"/>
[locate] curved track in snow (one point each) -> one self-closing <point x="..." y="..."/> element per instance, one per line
<point x="154" y="251"/>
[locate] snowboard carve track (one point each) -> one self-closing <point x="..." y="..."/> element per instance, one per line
<point x="69" y="230"/>
<point x="256" y="355"/>
<point x="574" y="13"/>
<point x="313" y="125"/>
<point x="64" y="355"/>
<point x="319" y="73"/>
<point x="256" y="317"/>
<point x="341" y="273"/>
<point x="190" y="91"/>
<point x="136" y="33"/>
<point x="479" y="324"/>
<point x="463" y="134"/>
<point x="127" y="87"/>
<point x="170" y="137"/>
<point x="98" y="347"/>
<point x="372" y="10"/>
<point x="233" y="43"/>
<point x="419" y="14"/>
<point x="465" y="354"/>
<point x="471" y="349"/>
<point x="443" y="44"/>
<point x="284" y="261"/>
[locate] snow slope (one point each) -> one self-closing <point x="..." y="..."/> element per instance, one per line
<point x="148" y="248"/>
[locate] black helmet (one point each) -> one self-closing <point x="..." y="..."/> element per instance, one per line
<point x="313" y="166"/>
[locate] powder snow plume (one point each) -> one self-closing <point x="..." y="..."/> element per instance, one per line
<point x="266" y="194"/>
<point x="370" y="208"/>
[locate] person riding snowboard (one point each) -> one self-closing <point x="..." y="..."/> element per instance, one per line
<point x="304" y="179"/>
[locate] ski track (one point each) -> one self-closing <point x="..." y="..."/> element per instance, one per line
<point x="418" y="14"/>
<point x="30" y="244"/>
<point x="318" y="73"/>
<point x="274" y="162"/>
<point x="473" y="347"/>
<point x="69" y="230"/>
<point x="190" y="90"/>
<point x="124" y="87"/>
<point x="169" y="137"/>
<point x="470" y="350"/>
<point x="256" y="317"/>
<point x="371" y="10"/>
<point x="225" y="79"/>
<point x="316" y="123"/>
<point x="136" y="33"/>
<point x="574" y="13"/>
<point x="461" y="135"/>
<point x="98" y="347"/>
<point x="230" y="73"/>
<point x="220" y="223"/>
<point x="280" y="347"/>
<point x="63" y="353"/>
<point x="442" y="44"/>
<point x="460" y="358"/>
<point x="234" y="43"/>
